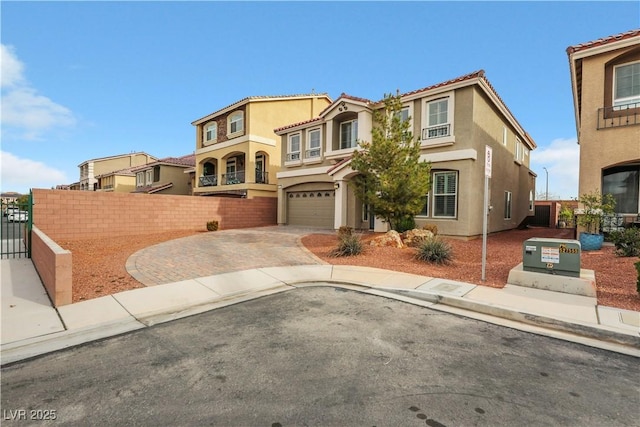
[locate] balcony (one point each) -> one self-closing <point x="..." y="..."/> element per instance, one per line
<point x="208" y="181"/>
<point x="619" y="115"/>
<point x="233" y="178"/>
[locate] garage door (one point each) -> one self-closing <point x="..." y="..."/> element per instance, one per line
<point x="311" y="208"/>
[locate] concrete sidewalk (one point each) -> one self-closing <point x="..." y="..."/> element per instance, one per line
<point x="30" y="326"/>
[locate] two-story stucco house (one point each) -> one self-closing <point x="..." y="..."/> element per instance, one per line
<point x="455" y="121"/>
<point x="90" y="169"/>
<point x="605" y="79"/>
<point x="237" y="151"/>
<point x="165" y="176"/>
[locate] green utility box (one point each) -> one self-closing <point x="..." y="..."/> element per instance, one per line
<point x="553" y="256"/>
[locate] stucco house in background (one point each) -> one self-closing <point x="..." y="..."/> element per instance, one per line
<point x="120" y="181"/>
<point x="605" y="81"/>
<point x="237" y="152"/>
<point x="90" y="169"/>
<point x="455" y="120"/>
<point x="165" y="176"/>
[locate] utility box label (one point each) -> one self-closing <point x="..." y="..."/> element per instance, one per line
<point x="551" y="255"/>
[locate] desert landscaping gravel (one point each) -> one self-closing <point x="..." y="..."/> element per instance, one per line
<point x="99" y="264"/>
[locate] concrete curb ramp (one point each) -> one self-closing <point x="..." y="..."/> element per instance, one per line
<point x="568" y="317"/>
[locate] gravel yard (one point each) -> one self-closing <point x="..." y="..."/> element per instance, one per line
<point x="99" y="264"/>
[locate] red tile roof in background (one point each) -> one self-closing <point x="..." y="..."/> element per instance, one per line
<point x="603" y="41"/>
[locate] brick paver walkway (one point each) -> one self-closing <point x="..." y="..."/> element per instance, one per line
<point x="220" y="252"/>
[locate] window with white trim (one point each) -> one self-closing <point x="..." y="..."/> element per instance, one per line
<point x="507" y="205"/>
<point x="504" y="136"/>
<point x="445" y="194"/>
<point x="531" y="200"/>
<point x="149" y="177"/>
<point x="293" y="147"/>
<point x="348" y="134"/>
<point x="236" y="122"/>
<point x="211" y="132"/>
<point x="313" y="143"/>
<point x="626" y="84"/>
<point x="140" y="179"/>
<point x="519" y="151"/>
<point x="438" y="121"/>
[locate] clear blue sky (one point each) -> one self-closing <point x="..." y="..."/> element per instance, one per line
<point x="82" y="80"/>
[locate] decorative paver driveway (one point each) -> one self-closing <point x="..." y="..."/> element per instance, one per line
<point x="220" y="252"/>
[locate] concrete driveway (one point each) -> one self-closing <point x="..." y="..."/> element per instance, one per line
<point x="220" y="252"/>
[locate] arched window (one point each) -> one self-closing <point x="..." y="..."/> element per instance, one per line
<point x="235" y="122"/>
<point x="211" y="132"/>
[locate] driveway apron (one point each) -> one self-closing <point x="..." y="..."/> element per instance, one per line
<point x="220" y="252"/>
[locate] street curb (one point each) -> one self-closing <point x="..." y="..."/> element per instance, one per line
<point x="588" y="331"/>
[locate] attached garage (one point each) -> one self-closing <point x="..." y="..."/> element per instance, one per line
<point x="313" y="208"/>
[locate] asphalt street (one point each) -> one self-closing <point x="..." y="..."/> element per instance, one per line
<point x="323" y="356"/>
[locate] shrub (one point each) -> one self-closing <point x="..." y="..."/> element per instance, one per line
<point x="348" y="245"/>
<point x="627" y="242"/>
<point x="345" y="231"/>
<point x="432" y="228"/>
<point x="405" y="223"/>
<point x="434" y="250"/>
<point x="212" y="226"/>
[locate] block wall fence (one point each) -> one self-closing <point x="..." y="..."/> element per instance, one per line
<point x="72" y="215"/>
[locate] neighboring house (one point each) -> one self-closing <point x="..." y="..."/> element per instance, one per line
<point x="454" y="121"/>
<point x="90" y="169"/>
<point x="165" y="176"/>
<point x="120" y="181"/>
<point x="9" y="197"/>
<point x="237" y="152"/>
<point x="605" y="80"/>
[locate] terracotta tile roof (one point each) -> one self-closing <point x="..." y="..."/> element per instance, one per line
<point x="150" y="189"/>
<point x="187" y="160"/>
<point x="339" y="164"/>
<point x="603" y="41"/>
<point x="126" y="172"/>
<point x="474" y="75"/>
<point x="260" y="98"/>
<point x="317" y="119"/>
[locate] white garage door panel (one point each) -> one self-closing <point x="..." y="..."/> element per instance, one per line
<point x="311" y="208"/>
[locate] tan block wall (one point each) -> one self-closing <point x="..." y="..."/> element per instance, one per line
<point x="71" y="215"/>
<point x="53" y="265"/>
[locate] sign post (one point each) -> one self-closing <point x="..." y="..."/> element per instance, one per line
<point x="485" y="211"/>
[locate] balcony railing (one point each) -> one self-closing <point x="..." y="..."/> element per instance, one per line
<point x="262" y="177"/>
<point x="619" y="115"/>
<point x="313" y="153"/>
<point x="208" y="181"/>
<point x="436" y="131"/>
<point x="293" y="156"/>
<point x="233" y="178"/>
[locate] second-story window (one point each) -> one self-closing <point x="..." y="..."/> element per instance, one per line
<point x="140" y="179"/>
<point x="293" y="149"/>
<point x="626" y="88"/>
<point x="313" y="143"/>
<point x="348" y="134"/>
<point x="211" y="132"/>
<point x="236" y="122"/>
<point x="438" y="123"/>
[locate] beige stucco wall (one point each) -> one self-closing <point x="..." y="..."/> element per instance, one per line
<point x="109" y="165"/>
<point x="600" y="149"/>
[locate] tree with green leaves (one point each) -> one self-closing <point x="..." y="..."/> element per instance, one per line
<point x="392" y="180"/>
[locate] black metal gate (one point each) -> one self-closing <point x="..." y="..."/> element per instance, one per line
<point x="15" y="228"/>
<point x="542" y="216"/>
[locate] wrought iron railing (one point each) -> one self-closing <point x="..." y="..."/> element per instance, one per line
<point x="313" y="153"/>
<point x="208" y="181"/>
<point x="15" y="229"/>
<point x="436" y="131"/>
<point x="619" y="115"/>
<point x="262" y="177"/>
<point x="233" y="178"/>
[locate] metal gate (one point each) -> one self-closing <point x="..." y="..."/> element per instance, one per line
<point x="542" y="216"/>
<point x="15" y="228"/>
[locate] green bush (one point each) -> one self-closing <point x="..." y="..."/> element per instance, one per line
<point x="212" y="225"/>
<point x="348" y="245"/>
<point x="627" y="242"/>
<point x="405" y="223"/>
<point x="435" y="250"/>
